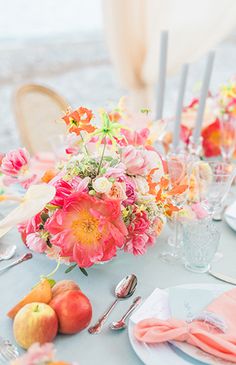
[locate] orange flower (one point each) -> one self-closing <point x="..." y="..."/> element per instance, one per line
<point x="152" y="185"/>
<point x="79" y="120"/>
<point x="170" y="209"/>
<point x="48" y="175"/>
<point x="211" y="139"/>
<point x="178" y="190"/>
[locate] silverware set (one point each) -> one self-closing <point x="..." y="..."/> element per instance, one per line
<point x="8" y="351"/>
<point x="124" y="289"/>
<point x="25" y="257"/>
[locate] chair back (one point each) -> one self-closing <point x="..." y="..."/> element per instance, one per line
<point x="39" y="112"/>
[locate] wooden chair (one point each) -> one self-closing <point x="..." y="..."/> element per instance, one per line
<point x="38" y="111"/>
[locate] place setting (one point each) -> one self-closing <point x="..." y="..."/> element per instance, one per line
<point x="80" y="262"/>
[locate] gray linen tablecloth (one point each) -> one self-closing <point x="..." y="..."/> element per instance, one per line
<point x="107" y="347"/>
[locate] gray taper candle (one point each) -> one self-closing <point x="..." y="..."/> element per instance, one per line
<point x="179" y="107"/>
<point x="203" y="96"/>
<point x="161" y="74"/>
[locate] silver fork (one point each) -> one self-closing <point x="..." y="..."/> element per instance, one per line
<point x="8" y="351"/>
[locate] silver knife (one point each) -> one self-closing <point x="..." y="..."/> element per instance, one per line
<point x="222" y="277"/>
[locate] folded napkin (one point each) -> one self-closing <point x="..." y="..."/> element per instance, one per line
<point x="213" y="331"/>
<point x="231" y="211"/>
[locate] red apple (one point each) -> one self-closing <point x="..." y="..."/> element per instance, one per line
<point x="35" y="322"/>
<point x="64" y="285"/>
<point x="73" y="309"/>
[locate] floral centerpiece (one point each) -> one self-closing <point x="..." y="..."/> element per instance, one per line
<point x="40" y="355"/>
<point x="218" y="106"/>
<point x="110" y="192"/>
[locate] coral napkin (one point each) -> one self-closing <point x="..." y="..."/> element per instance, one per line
<point x="213" y="331"/>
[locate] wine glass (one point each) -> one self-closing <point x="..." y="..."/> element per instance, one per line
<point x="227" y="137"/>
<point x="179" y="169"/>
<point x="214" y="180"/>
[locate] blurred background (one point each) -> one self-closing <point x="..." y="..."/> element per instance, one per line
<point x="92" y="52"/>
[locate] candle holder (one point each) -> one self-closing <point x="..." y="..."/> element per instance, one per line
<point x="194" y="148"/>
<point x="181" y="148"/>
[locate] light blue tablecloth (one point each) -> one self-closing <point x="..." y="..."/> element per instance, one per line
<point x="108" y="347"/>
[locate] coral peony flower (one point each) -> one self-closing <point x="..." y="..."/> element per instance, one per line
<point x="36" y="242"/>
<point x="15" y="162"/>
<point x="79" y="120"/>
<point x="102" y="185"/>
<point x="87" y="229"/>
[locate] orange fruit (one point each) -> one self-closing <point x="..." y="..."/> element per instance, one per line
<point x="41" y="293"/>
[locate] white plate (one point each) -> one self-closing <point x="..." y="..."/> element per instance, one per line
<point x="171" y="355"/>
<point x="228" y="216"/>
<point x="231" y="222"/>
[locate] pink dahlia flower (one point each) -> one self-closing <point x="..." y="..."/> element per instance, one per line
<point x="64" y="189"/>
<point x="130" y="193"/>
<point x="15" y="162"/>
<point x="138" y="243"/>
<point x="36" y="242"/>
<point x="30" y="226"/>
<point x="87" y="229"/>
<point x="139" y="224"/>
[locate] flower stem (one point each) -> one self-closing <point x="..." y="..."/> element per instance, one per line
<point x="103" y="152"/>
<point x="85" y="147"/>
<point x="55" y="270"/>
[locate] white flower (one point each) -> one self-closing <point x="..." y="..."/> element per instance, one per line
<point x="141" y="184"/>
<point x="117" y="191"/>
<point x="102" y="185"/>
<point x="35" y="199"/>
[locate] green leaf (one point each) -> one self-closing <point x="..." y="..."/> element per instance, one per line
<point x="52" y="282"/>
<point x="70" y="268"/>
<point x="44" y="217"/>
<point x="108" y="158"/>
<point x="82" y="269"/>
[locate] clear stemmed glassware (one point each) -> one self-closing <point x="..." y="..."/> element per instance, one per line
<point x="214" y="180"/>
<point x="227" y="137"/>
<point x="179" y="169"/>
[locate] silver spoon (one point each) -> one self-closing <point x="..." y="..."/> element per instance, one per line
<point x="25" y="257"/>
<point x="120" y="325"/>
<point x="124" y="289"/>
<point x="7" y="252"/>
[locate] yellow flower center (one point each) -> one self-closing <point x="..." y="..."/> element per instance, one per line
<point x="85" y="228"/>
